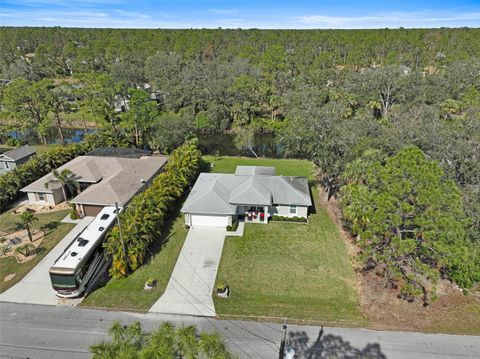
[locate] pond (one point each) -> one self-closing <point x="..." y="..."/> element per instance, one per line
<point x="221" y="144"/>
<point x="70" y="135"/>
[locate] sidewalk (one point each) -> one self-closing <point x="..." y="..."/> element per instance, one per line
<point x="35" y="287"/>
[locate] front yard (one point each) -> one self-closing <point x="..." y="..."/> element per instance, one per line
<point x="291" y="270"/>
<point x="54" y="231"/>
<point x="128" y="293"/>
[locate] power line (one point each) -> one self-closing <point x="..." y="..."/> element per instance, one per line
<point x="231" y="322"/>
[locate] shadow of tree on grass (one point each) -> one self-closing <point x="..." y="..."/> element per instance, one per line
<point x="331" y="346"/>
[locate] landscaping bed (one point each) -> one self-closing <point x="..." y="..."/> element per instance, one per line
<point x="11" y="271"/>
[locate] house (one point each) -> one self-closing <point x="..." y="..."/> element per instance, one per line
<point x="9" y="160"/>
<point x="103" y="181"/>
<point x="253" y="194"/>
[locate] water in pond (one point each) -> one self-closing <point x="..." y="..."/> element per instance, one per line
<point x="221" y="144"/>
<point x="70" y="135"/>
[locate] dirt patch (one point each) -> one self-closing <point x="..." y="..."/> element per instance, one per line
<point x="34" y="208"/>
<point x="9" y="277"/>
<point x="452" y="312"/>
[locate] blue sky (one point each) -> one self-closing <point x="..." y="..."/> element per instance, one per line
<point x="279" y="14"/>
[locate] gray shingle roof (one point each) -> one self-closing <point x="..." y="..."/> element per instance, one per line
<point x="18" y="153"/>
<point x="216" y="193"/>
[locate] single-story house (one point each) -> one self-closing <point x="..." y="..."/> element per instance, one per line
<point x="103" y="181"/>
<point x="9" y="160"/>
<point x="253" y="194"/>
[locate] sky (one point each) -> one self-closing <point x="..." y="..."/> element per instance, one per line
<point x="270" y="14"/>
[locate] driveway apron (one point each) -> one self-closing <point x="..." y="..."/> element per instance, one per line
<point x="189" y="291"/>
<point x="35" y="287"/>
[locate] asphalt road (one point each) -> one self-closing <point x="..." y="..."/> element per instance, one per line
<point x="36" y="331"/>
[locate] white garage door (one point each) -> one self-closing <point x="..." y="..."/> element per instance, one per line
<point x="209" y="221"/>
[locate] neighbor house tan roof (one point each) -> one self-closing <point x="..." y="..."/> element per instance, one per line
<point x="112" y="179"/>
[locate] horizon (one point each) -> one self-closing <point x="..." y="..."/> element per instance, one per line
<point x="211" y="14"/>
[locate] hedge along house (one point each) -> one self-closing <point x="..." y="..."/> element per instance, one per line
<point x="9" y="160"/>
<point x="103" y="181"/>
<point x="252" y="194"/>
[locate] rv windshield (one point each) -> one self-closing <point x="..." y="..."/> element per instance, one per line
<point x="63" y="281"/>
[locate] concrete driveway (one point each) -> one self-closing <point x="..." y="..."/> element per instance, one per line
<point x="35" y="287"/>
<point x="189" y="291"/>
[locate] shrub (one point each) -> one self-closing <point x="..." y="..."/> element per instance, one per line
<point x="73" y="211"/>
<point x="274" y="218"/>
<point x="26" y="250"/>
<point x="143" y="219"/>
<point x="230" y="228"/>
<point x="4" y="248"/>
<point x="3" y="239"/>
<point x="14" y="142"/>
<point x="303" y="219"/>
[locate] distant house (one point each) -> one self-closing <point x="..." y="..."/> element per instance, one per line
<point x="252" y="194"/>
<point x="103" y="182"/>
<point x="11" y="159"/>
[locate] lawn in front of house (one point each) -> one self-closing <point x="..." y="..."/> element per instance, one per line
<point x="54" y="231"/>
<point x="128" y="293"/>
<point x="292" y="270"/>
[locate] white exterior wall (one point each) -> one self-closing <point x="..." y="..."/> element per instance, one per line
<point x="208" y="220"/>
<point x="284" y="210"/>
<point x="51" y="199"/>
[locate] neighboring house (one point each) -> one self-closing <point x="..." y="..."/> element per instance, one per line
<point x="9" y="160"/>
<point x="103" y="181"/>
<point x="252" y="194"/>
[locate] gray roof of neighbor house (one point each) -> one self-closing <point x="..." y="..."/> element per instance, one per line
<point x="112" y="179"/>
<point x="18" y="153"/>
<point x="220" y="193"/>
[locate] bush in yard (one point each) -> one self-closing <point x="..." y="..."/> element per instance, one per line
<point x="26" y="250"/>
<point x="143" y="219"/>
<point x="73" y="211"/>
<point x="409" y="220"/>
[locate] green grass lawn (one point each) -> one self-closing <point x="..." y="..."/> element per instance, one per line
<point x="128" y="293"/>
<point x="54" y="232"/>
<point x="285" y="167"/>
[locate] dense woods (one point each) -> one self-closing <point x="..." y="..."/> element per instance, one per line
<point x="356" y="103"/>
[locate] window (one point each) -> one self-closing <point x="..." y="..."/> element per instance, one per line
<point x="293" y="209"/>
<point x="41" y="196"/>
<point x="7" y="165"/>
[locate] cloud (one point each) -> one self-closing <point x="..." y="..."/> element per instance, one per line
<point x="388" y="19"/>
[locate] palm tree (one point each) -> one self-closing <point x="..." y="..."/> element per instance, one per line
<point x="27" y="220"/>
<point x="63" y="178"/>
